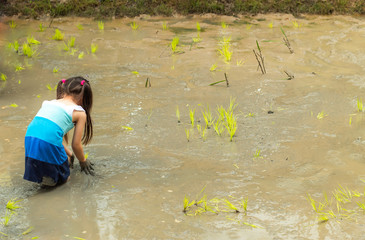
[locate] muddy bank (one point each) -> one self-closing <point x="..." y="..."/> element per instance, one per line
<point x="127" y="8"/>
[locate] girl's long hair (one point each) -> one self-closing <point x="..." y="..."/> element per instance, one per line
<point x="80" y="89"/>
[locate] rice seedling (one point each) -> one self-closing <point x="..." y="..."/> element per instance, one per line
<point x="197" y="39"/>
<point x="14" y="105"/>
<point x="240" y="62"/>
<point x="248" y="26"/>
<point x="178" y="114"/>
<point x="66" y="47"/>
<point x="243" y="204"/>
<point x="7" y="217"/>
<point x="259" y="58"/>
<point x="135" y="73"/>
<point x="127" y="128"/>
<point x="271" y="25"/>
<point x="187" y="204"/>
<point x="19" y="68"/>
<point x="71" y="42"/>
<point x="213" y="67"/>
<point x="94" y="48"/>
<point x="250" y="115"/>
<point x="231" y="124"/>
<point x="3" y="77"/>
<point x="218" y="128"/>
<point x="29" y="230"/>
<point x="81" y="55"/>
<point x="28" y="50"/>
<point x="12" y="24"/>
<point x="164" y="26"/>
<point x="224" y="49"/>
<point x="101" y="25"/>
<point x="224" y="25"/>
<point x="257" y="155"/>
<point x="251" y="225"/>
<point x="286" y="41"/>
<point x="232" y="104"/>
<point x="12" y="204"/>
<point x="55" y="70"/>
<point x="73" y="51"/>
<point x="321" y="115"/>
<point x="49" y="87"/>
<point x="208" y="117"/>
<point x="41" y="28"/>
<point x="31" y="40"/>
<point x="231" y="206"/>
<point x="350" y="120"/>
<point x="80" y="27"/>
<point x="198" y="27"/>
<point x="134" y="25"/>
<point x="4" y="234"/>
<point x="295" y="24"/>
<point x="360" y="106"/>
<point x="192" y="117"/>
<point x="14" y="46"/>
<point x="187" y="132"/>
<point x="202" y="132"/>
<point x="58" y="35"/>
<point x="79" y="238"/>
<point x="174" y="44"/>
<point x="312" y="202"/>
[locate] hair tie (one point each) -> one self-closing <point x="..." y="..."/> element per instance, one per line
<point x="63" y="80"/>
<point x="82" y="82"/>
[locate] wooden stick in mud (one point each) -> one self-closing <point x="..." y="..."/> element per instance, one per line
<point x="225" y="75"/>
<point x="148" y="83"/>
<point x="258" y="60"/>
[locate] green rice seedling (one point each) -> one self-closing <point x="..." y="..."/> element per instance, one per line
<point x="127" y="128"/>
<point x="19" y="68"/>
<point x="81" y="55"/>
<point x="296" y="24"/>
<point x="218" y="128"/>
<point x="321" y="115"/>
<point x="135" y="73"/>
<point x="41" y="28"/>
<point x="271" y="25"/>
<point x="286" y="41"/>
<point x="187" y="204"/>
<point x="213" y="67"/>
<point x="191" y="115"/>
<point x="12" y="204"/>
<point x="224" y="25"/>
<point x="14" y="105"/>
<point x="4" y="234"/>
<point x="208" y="117"/>
<point x="197" y="39"/>
<point x="29" y="230"/>
<point x="80" y="27"/>
<point x="248" y="26"/>
<point x="174" y="44"/>
<point x="178" y="114"/>
<point x="202" y="132"/>
<point x="187" y="131"/>
<point x="3" y="77"/>
<point x="232" y="104"/>
<point x="350" y="120"/>
<point x="31" y="40"/>
<point x="55" y="70"/>
<point x="14" y="46"/>
<point x="12" y="24"/>
<point x="73" y="51"/>
<point x="240" y="62"/>
<point x="134" y="25"/>
<point x="257" y="155"/>
<point x="251" y="225"/>
<point x="312" y="202"/>
<point x="243" y="204"/>
<point x="7" y="217"/>
<point x="361" y="205"/>
<point x="164" y="26"/>
<point x="94" y="47"/>
<point x="250" y="115"/>
<point x="360" y="106"/>
<point x="66" y="47"/>
<point x="224" y="49"/>
<point x="198" y="27"/>
<point x="231" y="124"/>
<point x="101" y="25"/>
<point x="71" y="42"/>
<point x="58" y="35"/>
<point x="28" y="50"/>
<point x="231" y="206"/>
<point x="51" y="88"/>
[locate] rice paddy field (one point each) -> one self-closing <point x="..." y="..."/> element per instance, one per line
<point x="205" y="127"/>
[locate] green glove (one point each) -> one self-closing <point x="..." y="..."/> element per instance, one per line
<point x="87" y="167"/>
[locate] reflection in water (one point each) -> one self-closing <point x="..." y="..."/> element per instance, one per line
<point x="144" y="174"/>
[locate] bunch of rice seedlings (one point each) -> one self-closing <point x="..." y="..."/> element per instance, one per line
<point x="134" y="25"/>
<point x="58" y="35"/>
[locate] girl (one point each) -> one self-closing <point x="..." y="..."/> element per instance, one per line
<point x="47" y="158"/>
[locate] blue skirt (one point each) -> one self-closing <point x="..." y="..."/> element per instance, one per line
<point x="35" y="170"/>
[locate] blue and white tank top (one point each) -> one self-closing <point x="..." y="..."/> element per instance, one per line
<point x="44" y="136"/>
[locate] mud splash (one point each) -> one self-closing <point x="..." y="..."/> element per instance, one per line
<point x="143" y="175"/>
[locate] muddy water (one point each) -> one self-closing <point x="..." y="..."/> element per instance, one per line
<point x="144" y="174"/>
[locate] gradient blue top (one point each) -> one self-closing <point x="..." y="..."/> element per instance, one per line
<point x="44" y="136"/>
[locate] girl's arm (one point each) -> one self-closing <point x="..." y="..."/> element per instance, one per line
<point x="68" y="151"/>
<point x="80" y="119"/>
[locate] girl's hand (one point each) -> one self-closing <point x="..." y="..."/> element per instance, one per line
<point x="87" y="167"/>
<point x="71" y="161"/>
